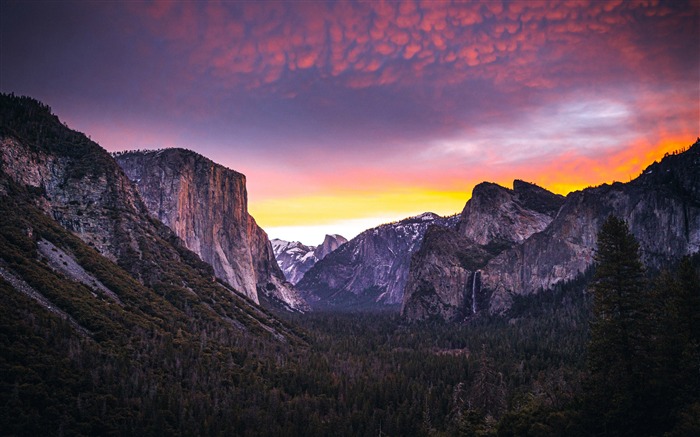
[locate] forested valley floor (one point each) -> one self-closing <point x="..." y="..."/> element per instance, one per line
<point x="523" y="373"/>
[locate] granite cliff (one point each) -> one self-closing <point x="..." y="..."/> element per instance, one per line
<point x="56" y="185"/>
<point x="206" y="205"/>
<point x="445" y="278"/>
<point x="661" y="207"/>
<point x="509" y="245"/>
<point x="370" y="270"/>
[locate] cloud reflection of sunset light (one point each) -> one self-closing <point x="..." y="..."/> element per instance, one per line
<point x="347" y="113"/>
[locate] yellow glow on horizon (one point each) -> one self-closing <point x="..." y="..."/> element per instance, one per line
<point x="563" y="175"/>
<point x="330" y="208"/>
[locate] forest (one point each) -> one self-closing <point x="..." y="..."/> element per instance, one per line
<point x="615" y="352"/>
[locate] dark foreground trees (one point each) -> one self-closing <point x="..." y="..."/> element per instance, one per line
<point x="643" y="352"/>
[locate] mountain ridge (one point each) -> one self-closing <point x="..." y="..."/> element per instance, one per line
<point x="370" y="270"/>
<point x="662" y="206"/>
<point x="444" y="278"/>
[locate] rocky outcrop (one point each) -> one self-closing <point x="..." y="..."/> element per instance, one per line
<point x="527" y="240"/>
<point x="661" y="207"/>
<point x="330" y="243"/>
<point x="496" y="214"/>
<point x="85" y="191"/>
<point x="206" y="205"/>
<point x="443" y="281"/>
<point x="445" y="277"/>
<point x="370" y="270"/>
<point x="295" y="258"/>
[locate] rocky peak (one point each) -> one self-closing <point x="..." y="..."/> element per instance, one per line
<point x="661" y="207"/>
<point x="496" y="214"/>
<point x="330" y="243"/>
<point x="536" y="198"/>
<point x="295" y="258"/>
<point x="549" y="239"/>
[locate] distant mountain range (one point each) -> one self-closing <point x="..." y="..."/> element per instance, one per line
<point x="370" y="270"/>
<point x="506" y="242"/>
<point x="295" y="258"/>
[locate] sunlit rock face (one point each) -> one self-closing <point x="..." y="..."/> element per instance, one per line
<point x="526" y="240"/>
<point x="295" y="258"/>
<point x="445" y="275"/>
<point x="369" y="271"/>
<point x="206" y="205"/>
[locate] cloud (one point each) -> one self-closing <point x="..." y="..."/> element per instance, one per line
<point x="243" y="42"/>
<point x="314" y="99"/>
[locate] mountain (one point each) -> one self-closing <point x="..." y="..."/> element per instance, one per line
<point x="661" y="207"/>
<point x="108" y="319"/>
<point x="370" y="270"/>
<point x="206" y="205"/>
<point x="330" y="243"/>
<point x="295" y="258"/>
<point x="496" y="214"/>
<point x="547" y="245"/>
<point x="444" y="278"/>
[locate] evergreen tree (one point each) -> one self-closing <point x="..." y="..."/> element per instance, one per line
<point x="621" y="333"/>
<point x="677" y="383"/>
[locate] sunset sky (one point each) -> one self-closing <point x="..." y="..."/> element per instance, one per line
<point x="345" y="115"/>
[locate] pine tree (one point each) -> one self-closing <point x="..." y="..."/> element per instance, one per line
<point x="677" y="381"/>
<point x="621" y="332"/>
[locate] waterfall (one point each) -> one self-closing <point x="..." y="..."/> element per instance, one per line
<point x="474" y="292"/>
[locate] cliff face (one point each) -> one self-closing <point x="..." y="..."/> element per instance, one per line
<point x="661" y="206"/>
<point x="330" y="243"/>
<point x="205" y="204"/>
<point x="443" y="280"/>
<point x="445" y="277"/>
<point x="498" y="214"/>
<point x="295" y="258"/>
<point x="526" y="240"/>
<point x="97" y="203"/>
<point x="371" y="269"/>
<point x="56" y="185"/>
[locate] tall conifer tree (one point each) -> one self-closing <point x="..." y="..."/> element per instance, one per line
<point x="621" y="330"/>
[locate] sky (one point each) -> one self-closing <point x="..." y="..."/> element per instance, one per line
<point x="345" y="115"/>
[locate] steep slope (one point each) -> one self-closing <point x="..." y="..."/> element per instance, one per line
<point x="444" y="279"/>
<point x="78" y="184"/>
<point x="109" y="323"/>
<point x="661" y="206"/>
<point x="295" y="258"/>
<point x="370" y="270"/>
<point x="206" y="205"/>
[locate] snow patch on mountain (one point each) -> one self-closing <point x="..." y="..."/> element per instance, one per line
<point x="296" y="258"/>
